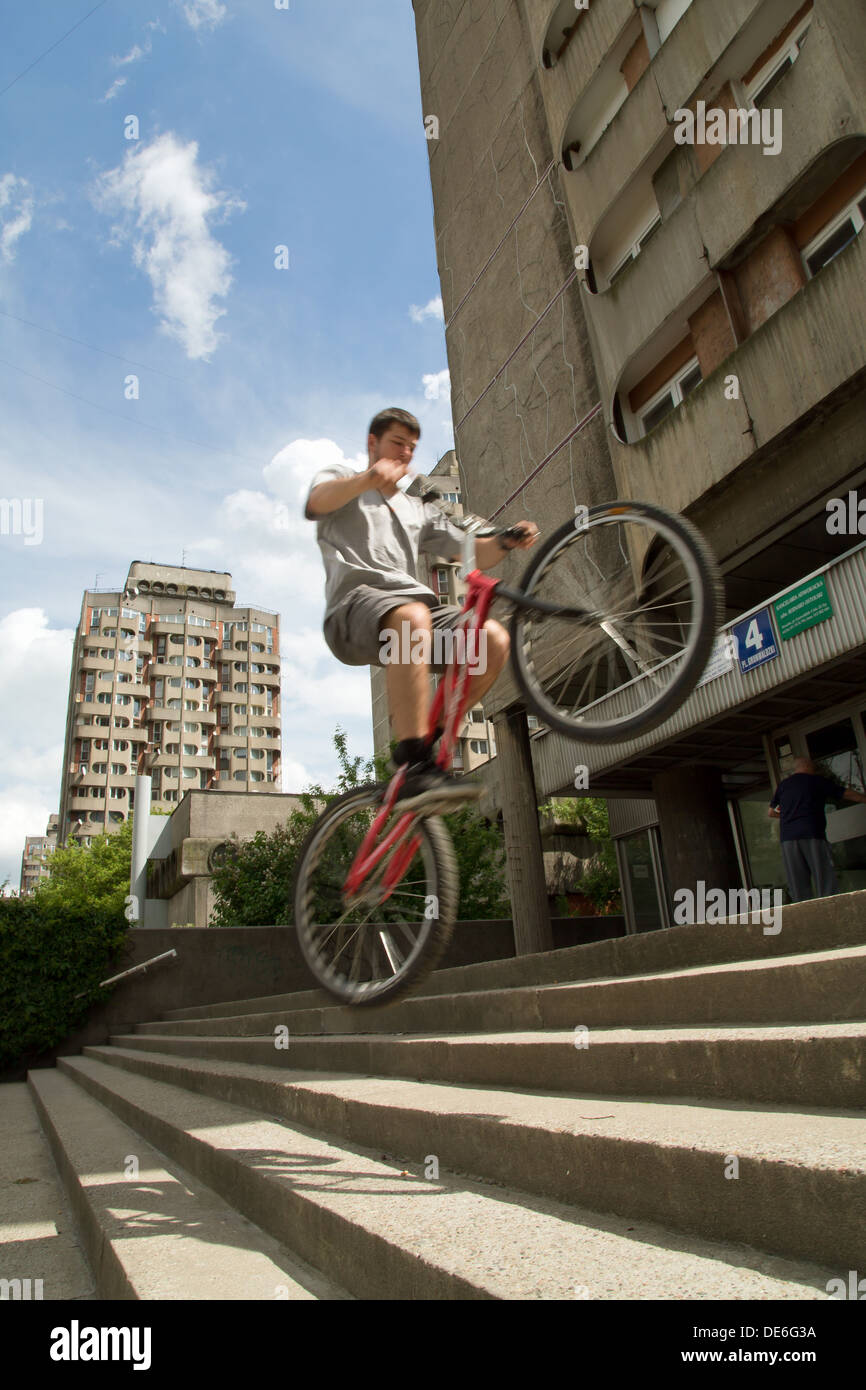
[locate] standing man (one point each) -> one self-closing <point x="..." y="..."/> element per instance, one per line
<point x="799" y="805"/>
<point x="370" y="533"/>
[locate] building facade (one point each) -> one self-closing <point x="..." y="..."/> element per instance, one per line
<point x="36" y="850"/>
<point x="170" y="678"/>
<point x="476" y="742"/>
<point x="648" y="222"/>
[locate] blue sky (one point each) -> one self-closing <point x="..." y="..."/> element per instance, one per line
<point x="257" y="128"/>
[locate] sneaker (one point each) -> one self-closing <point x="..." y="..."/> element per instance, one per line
<point x="428" y="786"/>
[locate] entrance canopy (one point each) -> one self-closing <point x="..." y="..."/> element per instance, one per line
<point x="799" y="651"/>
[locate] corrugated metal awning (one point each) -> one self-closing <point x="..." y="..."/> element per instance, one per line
<point x="736" y="705"/>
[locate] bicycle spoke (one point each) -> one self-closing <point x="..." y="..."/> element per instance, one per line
<point x="366" y="945"/>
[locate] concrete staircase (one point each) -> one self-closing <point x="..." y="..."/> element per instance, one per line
<point x="678" y="1115"/>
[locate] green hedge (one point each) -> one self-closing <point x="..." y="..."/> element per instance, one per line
<point x="46" y="959"/>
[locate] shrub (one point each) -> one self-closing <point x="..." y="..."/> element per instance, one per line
<point x="59" y="943"/>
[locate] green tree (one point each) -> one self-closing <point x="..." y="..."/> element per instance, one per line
<point x="88" y="878"/>
<point x="253" y="886"/>
<point x="600" y="882"/>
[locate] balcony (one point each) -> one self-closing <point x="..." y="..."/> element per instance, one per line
<point x="225" y="739"/>
<point x="796" y="351"/>
<point x="161" y="667"/>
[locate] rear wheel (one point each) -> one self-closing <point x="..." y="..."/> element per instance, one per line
<point x="373" y="945"/>
<point x="651" y="590"/>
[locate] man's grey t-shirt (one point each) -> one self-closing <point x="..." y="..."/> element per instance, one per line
<point x="375" y="541"/>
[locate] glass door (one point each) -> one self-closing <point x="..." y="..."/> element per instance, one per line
<point x="835" y="752"/>
<point x="641" y="875"/>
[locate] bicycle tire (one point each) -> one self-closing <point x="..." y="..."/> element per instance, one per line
<point x="432" y="942"/>
<point x="709" y="599"/>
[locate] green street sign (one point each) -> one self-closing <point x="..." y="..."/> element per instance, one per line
<point x="803" y="607"/>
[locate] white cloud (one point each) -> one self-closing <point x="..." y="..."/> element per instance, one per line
<point x="115" y="87"/>
<point x="434" y="309"/>
<point x="34" y="688"/>
<point x="290" y="471"/>
<point x="134" y="54"/>
<point x="203" y="14"/>
<point x="16" y="213"/>
<point x="167" y="204"/>
<point x="436" y="385"/>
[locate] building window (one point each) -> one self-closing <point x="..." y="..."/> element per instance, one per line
<point x="671" y="395"/>
<point x="764" y="81"/>
<point x="833" y="238"/>
<point x="635" y="249"/>
<point x="440" y="582"/>
<point x="478" y="745"/>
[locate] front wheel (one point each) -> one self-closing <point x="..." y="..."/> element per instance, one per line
<point x="651" y="591"/>
<point x="374" y="944"/>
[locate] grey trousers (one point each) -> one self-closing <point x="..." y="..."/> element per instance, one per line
<point x="805" y="860"/>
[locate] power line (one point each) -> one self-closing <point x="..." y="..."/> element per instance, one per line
<point x="128" y="419"/>
<point x="52" y="48"/>
<point x="118" y="357"/>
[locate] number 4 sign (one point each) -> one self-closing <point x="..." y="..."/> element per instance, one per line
<point x="756" y="640"/>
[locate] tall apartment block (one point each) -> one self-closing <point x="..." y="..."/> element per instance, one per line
<point x="36" y="850"/>
<point x="649" y="226"/>
<point x="475" y="738"/>
<point x="169" y="677"/>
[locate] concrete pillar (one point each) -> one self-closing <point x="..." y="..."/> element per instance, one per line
<point x="697" y="839"/>
<point x="140" y="849"/>
<point x="525" y="862"/>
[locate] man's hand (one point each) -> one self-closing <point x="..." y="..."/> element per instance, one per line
<point x="529" y="537"/>
<point x="773" y="813"/>
<point x="385" y="471"/>
<point x="489" y="550"/>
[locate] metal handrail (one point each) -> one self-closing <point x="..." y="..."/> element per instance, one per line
<point x="134" y="970"/>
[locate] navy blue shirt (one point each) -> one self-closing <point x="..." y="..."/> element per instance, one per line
<point x="801" y="798"/>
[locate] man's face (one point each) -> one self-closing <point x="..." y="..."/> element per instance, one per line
<point x="398" y="443"/>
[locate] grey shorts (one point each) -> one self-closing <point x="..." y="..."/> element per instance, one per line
<point x="353" y="632"/>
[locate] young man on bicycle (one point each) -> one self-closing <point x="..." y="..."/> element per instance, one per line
<point x="370" y="534"/>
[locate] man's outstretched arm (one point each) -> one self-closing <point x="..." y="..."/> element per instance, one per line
<point x="330" y="497"/>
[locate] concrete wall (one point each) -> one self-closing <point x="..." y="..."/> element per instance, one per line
<point x="251" y="963"/>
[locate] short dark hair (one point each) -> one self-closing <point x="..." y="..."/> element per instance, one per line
<point x="393" y="416"/>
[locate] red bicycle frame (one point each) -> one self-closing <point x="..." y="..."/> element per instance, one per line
<point x="450" y="700"/>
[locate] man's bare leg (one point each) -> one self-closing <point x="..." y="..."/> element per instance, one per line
<point x="408" y="683"/>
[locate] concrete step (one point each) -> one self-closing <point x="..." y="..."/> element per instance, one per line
<point x="821" y="986"/>
<point x="821" y="1065"/>
<point x="160" y="1234"/>
<point x="824" y="925"/>
<point x="380" y="1232"/>
<point x="39" y="1243"/>
<point x="800" y="1188"/>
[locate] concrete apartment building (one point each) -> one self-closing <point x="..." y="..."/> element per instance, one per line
<point x="168" y="677"/>
<point x="639" y="306"/>
<point x="476" y="740"/>
<point x="33" y="860"/>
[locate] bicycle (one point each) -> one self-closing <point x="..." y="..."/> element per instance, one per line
<point x="612" y="629"/>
